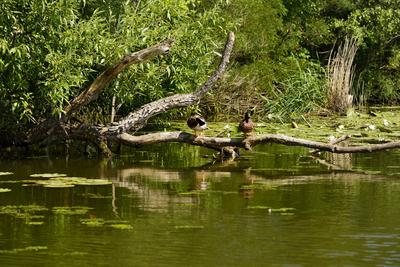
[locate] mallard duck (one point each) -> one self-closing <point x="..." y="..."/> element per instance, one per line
<point x="197" y="124"/>
<point x="246" y="125"/>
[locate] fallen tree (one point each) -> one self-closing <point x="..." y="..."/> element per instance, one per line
<point x="62" y="129"/>
<point x="122" y="132"/>
<point x="247" y="143"/>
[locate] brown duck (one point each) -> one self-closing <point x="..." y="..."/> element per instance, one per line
<point x="197" y="124"/>
<point x="246" y="126"/>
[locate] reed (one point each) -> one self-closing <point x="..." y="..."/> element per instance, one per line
<point x="340" y="77"/>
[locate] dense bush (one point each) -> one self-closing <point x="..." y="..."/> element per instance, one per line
<point x="51" y="49"/>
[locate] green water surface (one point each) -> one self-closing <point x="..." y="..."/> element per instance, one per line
<point x="168" y="205"/>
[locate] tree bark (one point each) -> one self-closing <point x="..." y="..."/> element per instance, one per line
<point x="137" y="119"/>
<point x="97" y="86"/>
<point x="217" y="143"/>
<point x="48" y="130"/>
<point x="53" y="129"/>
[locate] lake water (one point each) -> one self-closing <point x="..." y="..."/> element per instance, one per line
<point x="168" y="205"/>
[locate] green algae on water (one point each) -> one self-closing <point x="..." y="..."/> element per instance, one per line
<point x="35" y="223"/>
<point x="76" y="210"/>
<point x="66" y="182"/>
<point x="26" y="249"/>
<point x="259" y="207"/>
<point x="100" y="222"/>
<point x="93" y="222"/>
<point x="121" y="226"/>
<point x="28" y="212"/>
<point x="282" y="209"/>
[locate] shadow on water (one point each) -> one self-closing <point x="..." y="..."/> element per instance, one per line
<point x="169" y="205"/>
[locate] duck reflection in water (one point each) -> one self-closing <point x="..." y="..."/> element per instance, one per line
<point x="201" y="180"/>
<point x="245" y="188"/>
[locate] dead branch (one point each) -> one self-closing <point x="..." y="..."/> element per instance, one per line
<point x="335" y="141"/>
<point x="48" y="128"/>
<point x="96" y="87"/>
<point x="217" y="143"/>
<point x="137" y="119"/>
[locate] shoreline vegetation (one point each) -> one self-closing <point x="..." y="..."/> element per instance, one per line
<point x="99" y="72"/>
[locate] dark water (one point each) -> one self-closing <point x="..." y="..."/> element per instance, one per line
<point x="183" y="211"/>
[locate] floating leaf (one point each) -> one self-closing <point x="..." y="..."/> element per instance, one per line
<point x="65" y="182"/>
<point x="47" y="175"/>
<point x="282" y="209"/>
<point x="6" y="173"/>
<point x="27" y="249"/>
<point x="35" y="223"/>
<point x="77" y="210"/>
<point x="94" y="182"/>
<point x="4" y="190"/>
<point x="259" y="207"/>
<point x="121" y="226"/>
<point x="27" y="212"/>
<point x="95" y="222"/>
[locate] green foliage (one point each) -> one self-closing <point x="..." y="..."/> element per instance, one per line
<point x="271" y="52"/>
<point x="375" y="25"/>
<point x="50" y="50"/>
<point x="303" y="91"/>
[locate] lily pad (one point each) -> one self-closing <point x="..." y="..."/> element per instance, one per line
<point x="94" y="182"/>
<point x="77" y="210"/>
<point x="121" y="226"/>
<point x="57" y="185"/>
<point x="93" y="222"/>
<point x="6" y="173"/>
<point x="26" y="249"/>
<point x="287" y="213"/>
<point x="259" y="207"/>
<point x="35" y="223"/>
<point x="28" y="212"/>
<point x="65" y="182"/>
<point x="47" y="175"/>
<point x="4" y="190"/>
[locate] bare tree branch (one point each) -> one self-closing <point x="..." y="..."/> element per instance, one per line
<point x="137" y="119"/>
<point x="96" y="87"/>
<point x="217" y="143"/>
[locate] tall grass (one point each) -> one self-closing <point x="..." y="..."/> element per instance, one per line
<point x="302" y="92"/>
<point x="340" y="77"/>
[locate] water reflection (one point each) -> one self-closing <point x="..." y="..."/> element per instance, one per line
<point x="274" y="206"/>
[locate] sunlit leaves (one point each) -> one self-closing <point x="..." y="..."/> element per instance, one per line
<point x="50" y="50"/>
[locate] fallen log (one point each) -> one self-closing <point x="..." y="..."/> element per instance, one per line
<point x="247" y="143"/>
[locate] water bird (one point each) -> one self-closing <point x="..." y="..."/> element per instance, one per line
<point x="197" y="124"/>
<point x="246" y="126"/>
